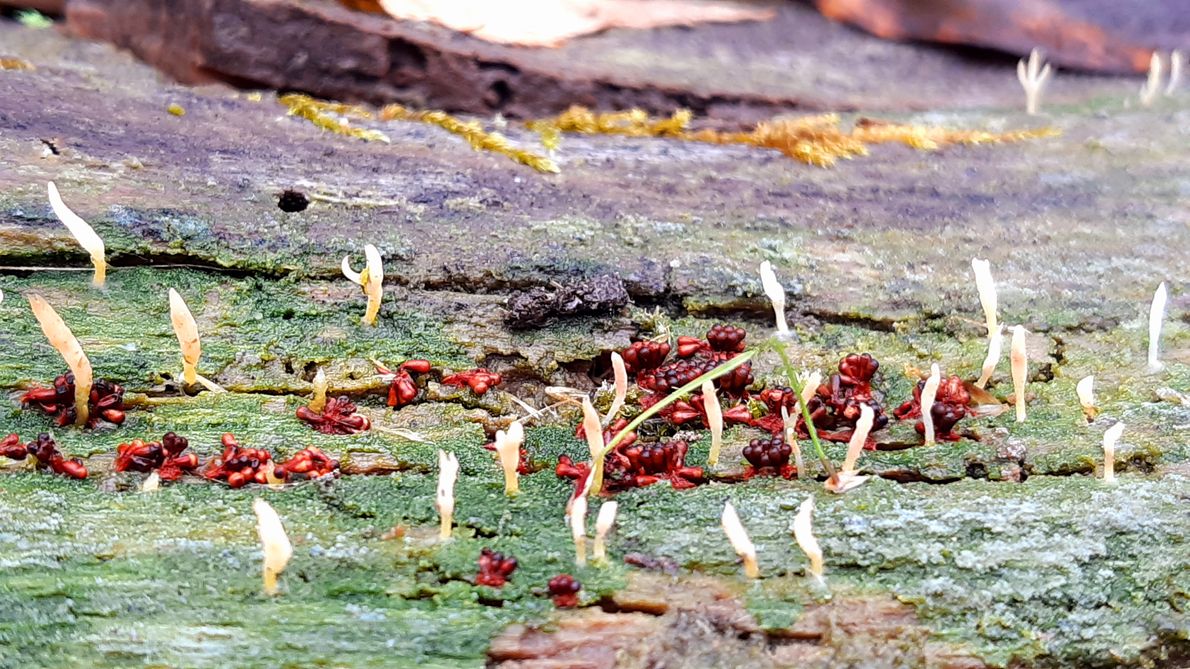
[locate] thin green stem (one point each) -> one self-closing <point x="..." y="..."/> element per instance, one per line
<point x="797" y="387"/>
<point x="721" y="370"/>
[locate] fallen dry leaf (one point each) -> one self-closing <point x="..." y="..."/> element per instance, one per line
<point x="549" y="23"/>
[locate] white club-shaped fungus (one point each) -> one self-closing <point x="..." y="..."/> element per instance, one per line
<point x="1152" y="85"/>
<point x="791" y="438"/>
<point x="1110" y="437"/>
<point x="186" y="330"/>
<point x="928" y="393"/>
<point x="620" y="373"/>
<point x="738" y="536"/>
<point x="318" y="396"/>
<point x="1020" y="367"/>
<point x="1085" y="389"/>
<point x="776" y="295"/>
<point x="603" y="524"/>
<point x="986" y="286"/>
<point x="508" y="447"/>
<point x="83" y="233"/>
<point x="846" y="479"/>
<point x="995" y="348"/>
<point x="64" y="341"/>
<point x="274" y="541"/>
<point x="371" y="280"/>
<point x="803" y="532"/>
<point x="578" y="529"/>
<point x="592" y="429"/>
<point x="448" y="473"/>
<point x="1156" y="318"/>
<point x="710" y="402"/>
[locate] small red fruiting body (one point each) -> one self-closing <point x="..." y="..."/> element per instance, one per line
<point x="165" y="456"/>
<point x="835" y="406"/>
<point x="238" y="465"/>
<point x="338" y="417"/>
<point x="636" y="465"/>
<point x="950" y="406"/>
<point x="46" y="452"/>
<point x="494" y="568"/>
<point x="642" y="355"/>
<point x="106" y="401"/>
<point x="310" y="462"/>
<point x="726" y="338"/>
<point x="768" y="456"/>
<point x="403" y="389"/>
<point x="478" y="380"/>
<point x="564" y="589"/>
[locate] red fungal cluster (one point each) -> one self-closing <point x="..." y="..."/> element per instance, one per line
<point x="835" y="406"/>
<point x="106" y="401"/>
<point x="165" y="456"/>
<point x="494" y="568"/>
<point x="338" y="416"/>
<point x="950" y="406"/>
<point x="478" y="380"/>
<point x="564" y="589"/>
<point x="768" y="456"/>
<point x="240" y="466"/>
<point x="403" y="389"/>
<point x="644" y="355"/>
<point x="636" y="465"/>
<point x="45" y="451"/>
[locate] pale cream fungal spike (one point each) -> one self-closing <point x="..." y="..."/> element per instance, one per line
<point x="620" y="373"/>
<point x="1110" y="437"/>
<point x="448" y="473"/>
<point x="1020" y="366"/>
<point x="1033" y="76"/>
<point x="803" y="532"/>
<point x="1152" y="85"/>
<point x="186" y="330"/>
<point x="578" y="529"/>
<point x="592" y="429"/>
<point x="508" y="447"/>
<point x="776" y="295"/>
<point x="83" y="233"/>
<point x="986" y="286"/>
<point x="152" y="482"/>
<point x="274" y="541"/>
<point x="791" y="439"/>
<point x="64" y="341"/>
<point x="995" y="350"/>
<point x="738" y="536"/>
<point x="846" y="479"/>
<point x="1177" y="61"/>
<point x="710" y="402"/>
<point x="318" y="396"/>
<point x="1085" y="389"/>
<point x="810" y="382"/>
<point x="1156" y="317"/>
<point x="603" y="524"/>
<point x="928" y="393"/>
<point x="371" y="280"/>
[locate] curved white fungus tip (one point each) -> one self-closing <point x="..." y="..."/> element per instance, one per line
<point x="374" y="265"/>
<point x="710" y="403"/>
<point x="1148" y="90"/>
<point x="1033" y="78"/>
<point x="928" y="393"/>
<point x="606" y="517"/>
<point x="1177" y="60"/>
<point x="351" y="274"/>
<point x="738" y="537"/>
<point x="1085" y="389"/>
<point x="274" y="541"/>
<point x="448" y="473"/>
<point x="810" y="382"/>
<point x="578" y="529"/>
<point x="68" y="346"/>
<point x="791" y="439"/>
<point x="186" y="330"/>
<point x="862" y="428"/>
<point x="151" y="483"/>
<point x="986" y="286"/>
<point x="995" y="349"/>
<point x="83" y="233"/>
<point x="620" y="373"/>
<point x="775" y="293"/>
<point x="1110" y="437"/>
<point x="1020" y="365"/>
<point x="803" y="532"/>
<point x="592" y="429"/>
<point x="1156" y="319"/>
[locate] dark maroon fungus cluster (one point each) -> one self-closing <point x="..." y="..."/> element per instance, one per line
<point x="338" y="416"/>
<point x="563" y="589"/>
<point x="239" y="466"/>
<point x="660" y="368"/>
<point x="951" y="404"/>
<point x="106" y="401"/>
<point x="45" y="453"/>
<point x="494" y="568"/>
<point x="165" y="456"/>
